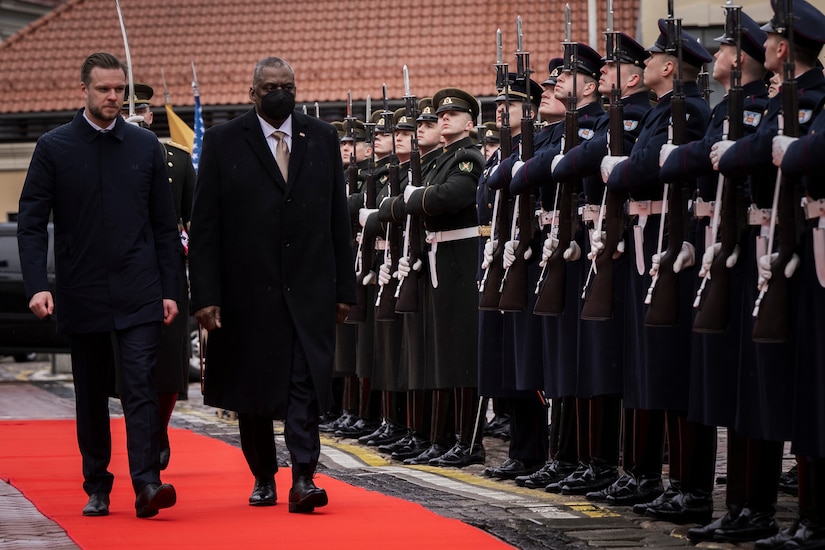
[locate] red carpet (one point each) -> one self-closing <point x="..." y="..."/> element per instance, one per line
<point x="41" y="459"/>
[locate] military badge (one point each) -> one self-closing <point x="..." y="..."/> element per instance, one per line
<point x="630" y="125"/>
<point x="752" y="118"/>
<point x="466" y="166"/>
<point x="805" y="115"/>
<point x="585" y="133"/>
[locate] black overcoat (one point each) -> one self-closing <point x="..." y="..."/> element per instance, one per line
<point x="276" y="257"/>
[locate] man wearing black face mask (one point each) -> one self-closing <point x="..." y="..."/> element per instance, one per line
<point x="171" y="372"/>
<point x="271" y="271"/>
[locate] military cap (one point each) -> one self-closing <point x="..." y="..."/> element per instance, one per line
<point x="340" y="127"/>
<point x="808" y="24"/>
<point x="753" y="38"/>
<point x="629" y="51"/>
<point x="693" y="52"/>
<point x="588" y="61"/>
<point x="426" y="111"/>
<point x="491" y="133"/>
<point x="517" y="90"/>
<point x="402" y="121"/>
<point x="359" y="131"/>
<point x="554" y="68"/>
<point x="453" y="99"/>
<point x="143" y="96"/>
<point x="380" y="122"/>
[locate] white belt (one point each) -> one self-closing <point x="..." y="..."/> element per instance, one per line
<point x="546" y="217"/>
<point x="702" y="209"/>
<point x="759" y="216"/>
<point x="814" y="208"/>
<point x="644" y="208"/>
<point x="435" y="237"/>
<point x="589" y="212"/>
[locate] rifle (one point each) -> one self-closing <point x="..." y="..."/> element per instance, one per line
<point x="352" y="167"/>
<point x="663" y="294"/>
<point x="713" y="296"/>
<point x="385" y="298"/>
<point x="490" y="285"/>
<point x="771" y="311"/>
<point x="366" y="245"/>
<point x="551" y="285"/>
<point x="514" y="281"/>
<point x="598" y="302"/>
<point x="406" y="292"/>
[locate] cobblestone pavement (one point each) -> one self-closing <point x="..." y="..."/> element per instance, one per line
<point x="524" y="518"/>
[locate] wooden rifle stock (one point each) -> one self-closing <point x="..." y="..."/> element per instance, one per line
<point x="490" y="295"/>
<point x="772" y="309"/>
<point x="664" y="291"/>
<point x="385" y="300"/>
<point x="366" y="254"/>
<point x="551" y="290"/>
<point x="598" y="298"/>
<point x="514" y="283"/>
<point x="406" y="292"/>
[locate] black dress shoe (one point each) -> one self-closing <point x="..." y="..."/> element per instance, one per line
<point x="460" y="456"/>
<point x="779" y="539"/>
<point x="666" y="495"/>
<point x="415" y="447"/>
<point x="389" y="448"/>
<point x="549" y="473"/>
<point x="391" y="434"/>
<point x="555" y="487"/>
<point x="789" y="481"/>
<point x="152" y="498"/>
<point x="373" y="435"/>
<point x="684" y="508"/>
<point x="263" y="494"/>
<point x="594" y="478"/>
<point x="305" y="497"/>
<point x="433" y="451"/>
<point x="496" y="423"/>
<point x="513" y="468"/>
<point x="98" y="505"/>
<point x="643" y="489"/>
<point x="361" y="427"/>
<point x="810" y="534"/>
<point x="751" y="524"/>
<point x="708" y="532"/>
<point x="618" y="485"/>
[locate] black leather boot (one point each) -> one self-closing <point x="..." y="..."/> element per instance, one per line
<point x="305" y="496"/>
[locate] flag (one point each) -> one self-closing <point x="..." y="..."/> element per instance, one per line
<point x="199" y="129"/>
<point x="179" y="131"/>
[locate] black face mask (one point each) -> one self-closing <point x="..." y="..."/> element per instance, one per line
<point x="278" y="104"/>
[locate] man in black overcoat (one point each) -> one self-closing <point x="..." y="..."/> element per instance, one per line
<point x="271" y="273"/>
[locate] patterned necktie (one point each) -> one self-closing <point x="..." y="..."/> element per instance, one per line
<point x="282" y="153"/>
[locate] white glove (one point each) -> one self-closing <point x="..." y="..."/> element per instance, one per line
<point x="509" y="255"/>
<point x="764" y="268"/>
<point x="717" y="151"/>
<point x="619" y="249"/>
<point x="409" y="190"/>
<point x="596" y="244"/>
<point x="364" y="213"/>
<point x="384" y="274"/>
<point x="135" y="119"/>
<point x="489" y="250"/>
<point x="550" y="245"/>
<point x="608" y="164"/>
<point x="685" y="258"/>
<point x="711" y="252"/>
<point x="404" y="267"/>
<point x="665" y="152"/>
<point x="369" y="279"/>
<point x="733" y="258"/>
<point x="556" y="161"/>
<point x="573" y="252"/>
<point x="516" y="167"/>
<point x="654" y="265"/>
<point x="779" y="145"/>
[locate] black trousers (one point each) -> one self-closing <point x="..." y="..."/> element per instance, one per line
<point x="300" y="428"/>
<point x="93" y="360"/>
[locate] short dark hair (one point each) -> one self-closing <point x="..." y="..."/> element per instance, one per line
<point x="269" y="62"/>
<point x="100" y="59"/>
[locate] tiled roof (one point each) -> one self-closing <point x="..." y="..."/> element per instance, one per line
<point x="334" y="46"/>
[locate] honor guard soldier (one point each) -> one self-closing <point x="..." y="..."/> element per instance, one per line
<point x="602" y="341"/>
<point x="739" y="68"/>
<point x="766" y="386"/>
<point x="171" y="373"/>
<point x="657" y="365"/>
<point x="446" y="205"/>
<point x="491" y="139"/>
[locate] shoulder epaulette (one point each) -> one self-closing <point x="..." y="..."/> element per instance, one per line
<point x="179" y="146"/>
